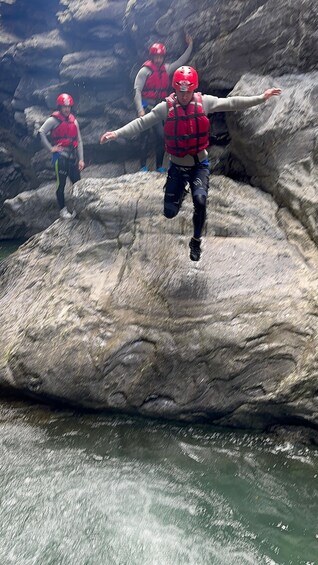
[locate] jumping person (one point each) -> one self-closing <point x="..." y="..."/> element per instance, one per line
<point x="151" y="87"/>
<point x="66" y="148"/>
<point x="186" y="129"/>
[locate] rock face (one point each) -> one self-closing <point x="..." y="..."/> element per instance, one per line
<point x="278" y="144"/>
<point x="93" y="49"/>
<point x="107" y="311"/>
<point x="33" y="211"/>
<point x="232" y="38"/>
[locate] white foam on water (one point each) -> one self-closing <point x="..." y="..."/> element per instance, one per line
<point x="95" y="494"/>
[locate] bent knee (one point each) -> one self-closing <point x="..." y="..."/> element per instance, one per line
<point x="170" y="213"/>
<point x="170" y="210"/>
<point x="200" y="201"/>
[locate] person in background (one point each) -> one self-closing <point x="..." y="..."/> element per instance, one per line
<point x="60" y="134"/>
<point x="186" y="129"/>
<point x="152" y="86"/>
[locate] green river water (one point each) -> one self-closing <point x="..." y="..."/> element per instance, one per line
<point x="80" y="489"/>
<point x="8" y="247"/>
<point x="94" y="489"/>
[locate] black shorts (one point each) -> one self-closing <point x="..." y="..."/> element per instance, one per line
<point x="178" y="177"/>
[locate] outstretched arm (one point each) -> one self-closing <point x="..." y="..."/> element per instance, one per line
<point x="135" y="127"/>
<point x="233" y="103"/>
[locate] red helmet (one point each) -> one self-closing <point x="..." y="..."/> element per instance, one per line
<point x="185" y="79"/>
<point x="157" y="49"/>
<point x="64" y="100"/>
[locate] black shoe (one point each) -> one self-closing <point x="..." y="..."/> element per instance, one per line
<point x="195" y="249"/>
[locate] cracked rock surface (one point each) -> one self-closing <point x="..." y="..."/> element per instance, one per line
<point x="107" y="311"/>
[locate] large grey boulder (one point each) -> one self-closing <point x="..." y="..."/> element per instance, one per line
<point x="78" y="14"/>
<point x="12" y="179"/>
<point x="277" y="143"/>
<point x="102" y="18"/>
<point x="32" y="211"/>
<point x="92" y="66"/>
<point x="40" y="52"/>
<point x="107" y="311"/>
<point x="28" y="88"/>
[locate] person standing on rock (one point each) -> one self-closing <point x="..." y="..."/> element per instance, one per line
<point x="186" y="129"/>
<point x="67" y="148"/>
<point x="152" y="86"/>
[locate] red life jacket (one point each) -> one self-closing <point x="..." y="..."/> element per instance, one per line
<point x="186" y="128"/>
<point x="157" y="84"/>
<point x="66" y="132"/>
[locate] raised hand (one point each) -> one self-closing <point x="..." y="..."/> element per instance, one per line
<point x="188" y="38"/>
<point x="272" y="92"/>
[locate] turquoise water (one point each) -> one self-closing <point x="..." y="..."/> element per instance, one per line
<point x="93" y="490"/>
<point x="8" y="247"/>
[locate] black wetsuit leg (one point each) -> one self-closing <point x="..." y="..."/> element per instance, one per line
<point x="61" y="171"/>
<point x="199" y="183"/>
<point x="174" y="189"/>
<point x="73" y="170"/>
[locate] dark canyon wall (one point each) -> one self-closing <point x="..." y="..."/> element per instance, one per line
<point x="93" y="49"/>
